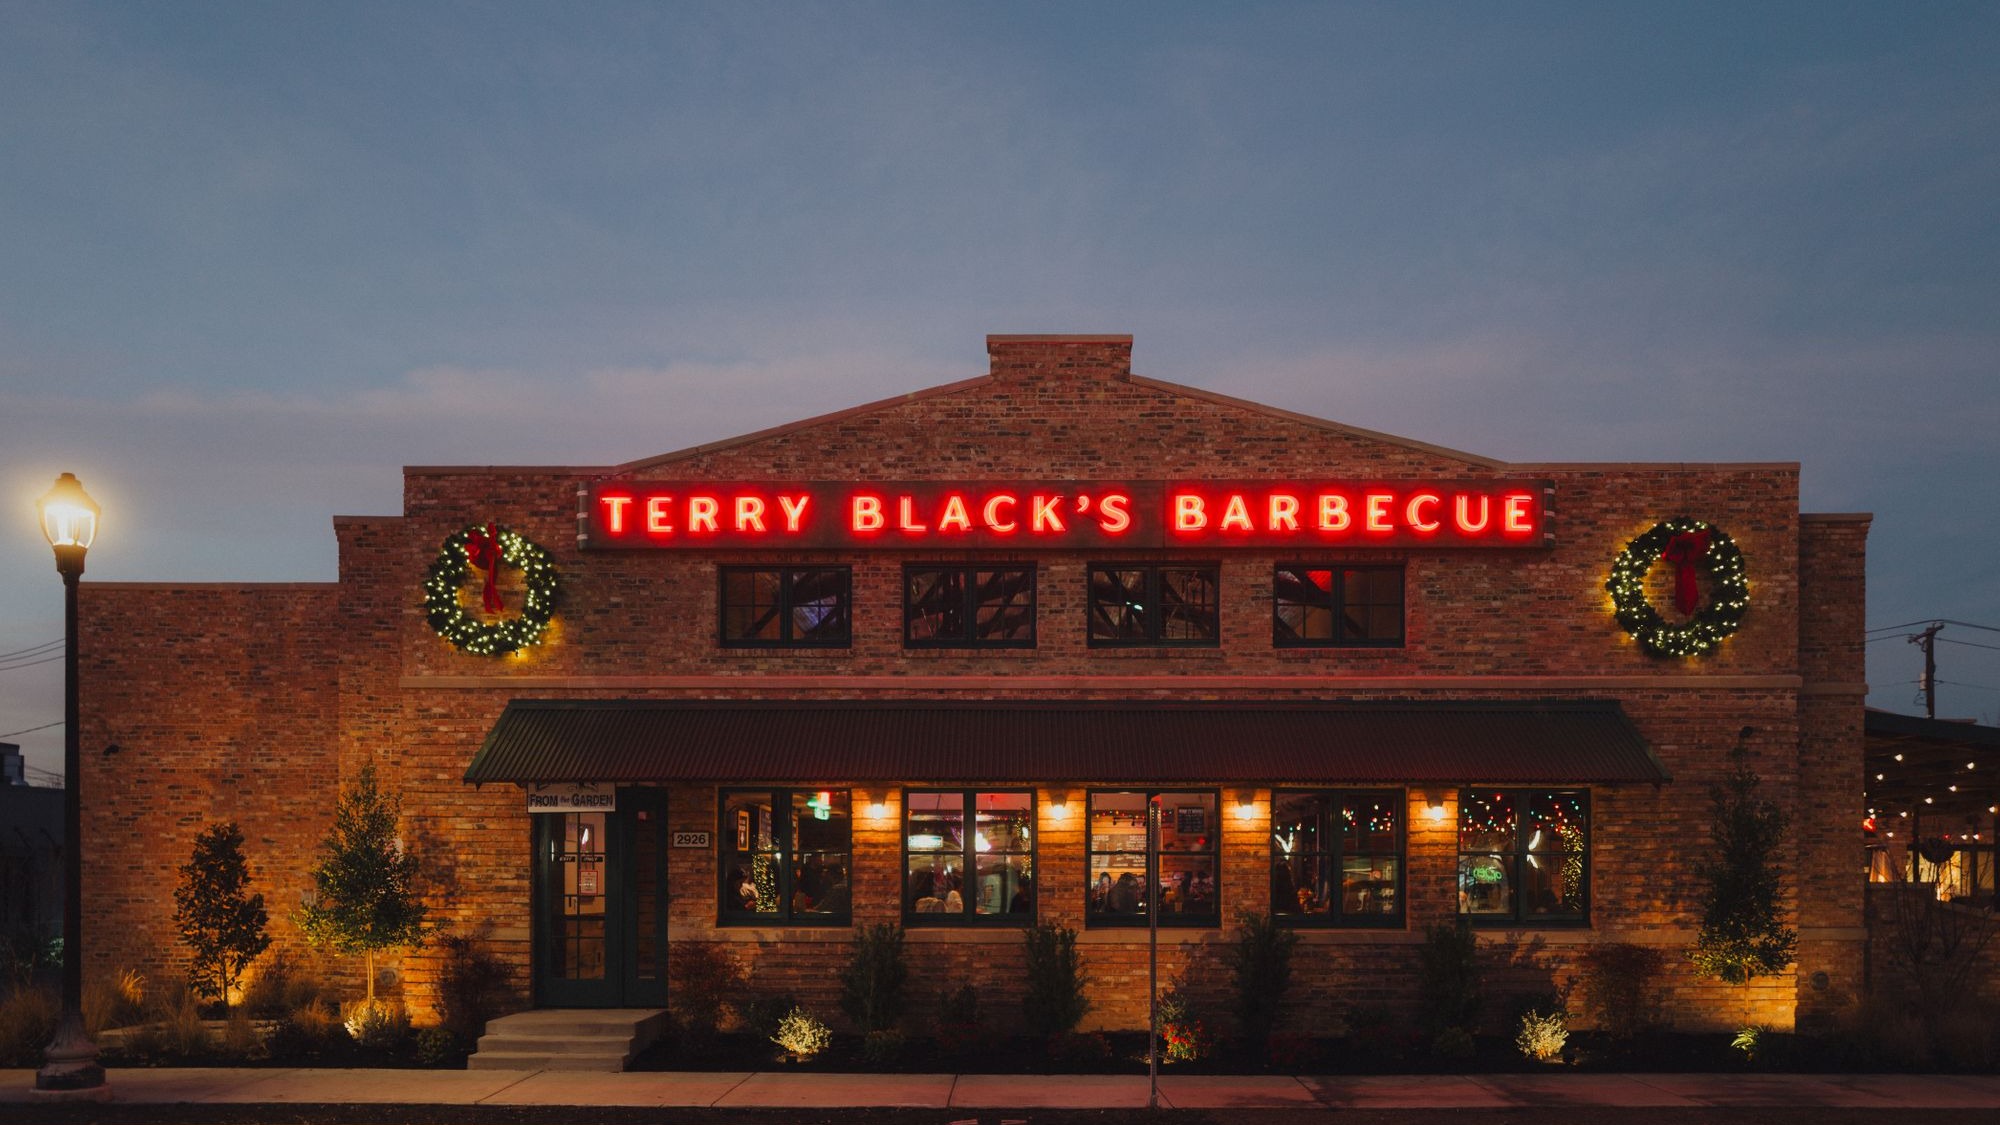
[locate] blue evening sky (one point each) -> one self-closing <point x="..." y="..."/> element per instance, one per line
<point x="255" y="257"/>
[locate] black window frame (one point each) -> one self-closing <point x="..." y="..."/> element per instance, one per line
<point x="1336" y="604"/>
<point x="1522" y="915"/>
<point x="1096" y="919"/>
<point x="1338" y="917"/>
<point x="785" y="608"/>
<point x="968" y="914"/>
<point x="970" y="592"/>
<point x="787" y="852"/>
<point x="1155" y="617"/>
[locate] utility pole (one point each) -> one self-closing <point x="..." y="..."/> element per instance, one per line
<point x="1927" y="640"/>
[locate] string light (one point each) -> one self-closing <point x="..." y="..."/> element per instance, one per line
<point x="496" y="638"/>
<point x="1711" y="623"/>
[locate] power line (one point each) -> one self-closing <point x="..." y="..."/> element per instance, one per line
<point x="1969" y="644"/>
<point x="32" y="663"/>
<point x="1975" y="687"/>
<point x="1969" y="625"/>
<point x="32" y="649"/>
<point x="31" y="730"/>
<point x="1904" y="625"/>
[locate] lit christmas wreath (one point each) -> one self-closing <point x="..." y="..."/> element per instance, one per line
<point x="488" y="548"/>
<point x="1692" y="546"/>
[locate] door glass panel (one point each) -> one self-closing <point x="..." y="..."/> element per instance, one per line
<point x="646" y="829"/>
<point x="584" y="877"/>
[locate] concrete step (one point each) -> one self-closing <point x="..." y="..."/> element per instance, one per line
<point x="511" y="1060"/>
<point x="568" y="1039"/>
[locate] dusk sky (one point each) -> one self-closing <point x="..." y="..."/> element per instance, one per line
<point x="256" y="257"/>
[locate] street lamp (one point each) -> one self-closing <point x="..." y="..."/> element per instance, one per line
<point x="69" y="521"/>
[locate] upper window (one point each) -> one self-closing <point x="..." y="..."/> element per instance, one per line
<point x="1349" y="606"/>
<point x="1337" y="857"/>
<point x="1184" y="869"/>
<point x="1172" y="604"/>
<point x="969" y="606"/>
<point x="968" y="857"/>
<point x="1524" y="855"/>
<point x="787" y="855"/>
<point x="786" y="607"/>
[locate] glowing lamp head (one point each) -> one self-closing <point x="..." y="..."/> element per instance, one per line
<point x="69" y="515"/>
<point x="1059" y="811"/>
<point x="1246" y="807"/>
<point x="878" y="810"/>
<point x="1434" y="808"/>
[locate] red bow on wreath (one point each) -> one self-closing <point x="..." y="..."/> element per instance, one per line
<point x="482" y="549"/>
<point x="1685" y="551"/>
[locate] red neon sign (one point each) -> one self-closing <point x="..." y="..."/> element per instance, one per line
<point x="1076" y="514"/>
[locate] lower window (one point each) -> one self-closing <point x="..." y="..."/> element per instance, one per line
<point x="968" y="857"/>
<point x="1524" y="855"/>
<point x="786" y="857"/>
<point x="1183" y="871"/>
<point x="1337" y="857"/>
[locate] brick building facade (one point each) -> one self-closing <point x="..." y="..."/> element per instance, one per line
<point x="255" y="702"/>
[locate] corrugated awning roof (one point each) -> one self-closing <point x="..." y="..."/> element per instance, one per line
<point x="1036" y="741"/>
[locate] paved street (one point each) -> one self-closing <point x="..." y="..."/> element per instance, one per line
<point x="1236" y="1096"/>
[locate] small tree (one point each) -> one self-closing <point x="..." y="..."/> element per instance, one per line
<point x="1742" y="935"/>
<point x="1260" y="965"/>
<point x="1055" y="1000"/>
<point x="221" y="923"/>
<point x="365" y="883"/>
<point x="871" y="987"/>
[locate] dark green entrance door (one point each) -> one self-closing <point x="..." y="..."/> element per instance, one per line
<point x="600" y="905"/>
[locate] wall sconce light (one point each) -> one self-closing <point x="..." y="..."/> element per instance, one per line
<point x="878" y="810"/>
<point x="1059" y="808"/>
<point x="1246" y="805"/>
<point x="1433" y="807"/>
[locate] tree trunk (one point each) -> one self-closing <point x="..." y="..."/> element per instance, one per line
<point x="368" y="959"/>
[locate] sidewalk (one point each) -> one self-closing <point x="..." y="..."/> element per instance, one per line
<point x="221" y="1086"/>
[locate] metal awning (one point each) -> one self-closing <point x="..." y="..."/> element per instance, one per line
<point x="929" y="741"/>
<point x="1933" y="769"/>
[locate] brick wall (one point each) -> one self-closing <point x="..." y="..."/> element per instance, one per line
<point x="346" y="674"/>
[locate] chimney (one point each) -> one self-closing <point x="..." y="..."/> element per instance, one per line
<point x="1021" y="358"/>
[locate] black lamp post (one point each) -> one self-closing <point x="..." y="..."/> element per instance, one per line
<point x="69" y="521"/>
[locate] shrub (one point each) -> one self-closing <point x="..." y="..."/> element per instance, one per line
<point x="802" y="1034"/>
<point x="1290" y="1052"/>
<point x="220" y="921"/>
<point x="27" y="1023"/>
<point x="1055" y="1002"/>
<point x="760" y="1014"/>
<point x="119" y="1002"/>
<point x="307" y="1029"/>
<point x="1448" y="978"/>
<point x="1078" y="1048"/>
<point x="1542" y="1037"/>
<point x="1368" y="1021"/>
<point x="880" y="1048"/>
<point x="1184" y="1035"/>
<point x="1750" y="1041"/>
<point x="958" y="1019"/>
<point x="1621" y="989"/>
<point x="239" y="1038"/>
<point x="376" y="1024"/>
<point x="437" y="1046"/>
<point x="1260" y="966"/>
<point x="184" y="1033"/>
<point x="1453" y="1043"/>
<point x="700" y="976"/>
<point x="470" y="984"/>
<point x="871" y="987"/>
